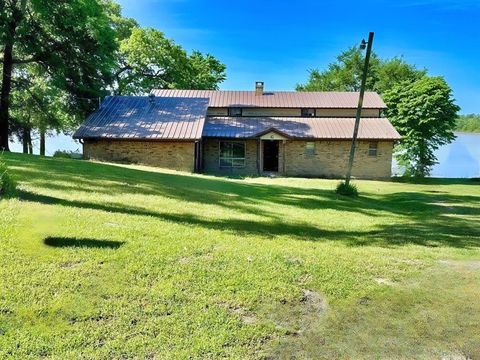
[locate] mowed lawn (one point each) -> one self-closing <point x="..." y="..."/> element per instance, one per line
<point x="108" y="261"/>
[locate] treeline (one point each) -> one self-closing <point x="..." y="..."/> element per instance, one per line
<point x="58" y="58"/>
<point x="468" y="123"/>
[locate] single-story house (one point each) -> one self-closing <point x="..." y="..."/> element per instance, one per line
<point x="242" y="132"/>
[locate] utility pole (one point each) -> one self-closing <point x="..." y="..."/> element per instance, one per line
<point x="368" y="44"/>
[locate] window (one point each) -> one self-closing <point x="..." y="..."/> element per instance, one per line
<point x="232" y="154"/>
<point x="310" y="148"/>
<point x="373" y="149"/>
<point x="308" y="112"/>
<point x="234" y="111"/>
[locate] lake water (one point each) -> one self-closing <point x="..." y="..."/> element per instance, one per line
<point x="459" y="159"/>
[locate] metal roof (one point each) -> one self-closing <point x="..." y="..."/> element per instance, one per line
<point x="138" y="117"/>
<point x="279" y="99"/>
<point x="307" y="128"/>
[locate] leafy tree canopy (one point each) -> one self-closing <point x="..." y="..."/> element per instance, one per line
<point x="58" y="57"/>
<point x="68" y="44"/>
<point x="346" y="72"/>
<point x="149" y="60"/>
<point x="424" y="113"/>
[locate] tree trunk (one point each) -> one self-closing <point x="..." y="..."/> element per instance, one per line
<point x="25" y="140"/>
<point x="29" y="142"/>
<point x="7" y="68"/>
<point x="5" y="95"/>
<point x="42" y="142"/>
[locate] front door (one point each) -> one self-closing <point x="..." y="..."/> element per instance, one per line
<point x="270" y="155"/>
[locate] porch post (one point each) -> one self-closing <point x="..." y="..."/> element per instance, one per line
<point x="259" y="146"/>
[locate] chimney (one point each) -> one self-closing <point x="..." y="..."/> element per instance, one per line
<point x="259" y="88"/>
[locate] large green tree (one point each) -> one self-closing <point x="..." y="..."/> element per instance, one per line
<point x="420" y="107"/>
<point x="424" y="113"/>
<point x="147" y="59"/>
<point x="69" y="43"/>
<point x="345" y="73"/>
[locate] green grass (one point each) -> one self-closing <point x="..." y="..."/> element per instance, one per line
<point x="107" y="261"/>
<point x="468" y="123"/>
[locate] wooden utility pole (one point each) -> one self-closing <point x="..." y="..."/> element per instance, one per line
<point x="359" y="107"/>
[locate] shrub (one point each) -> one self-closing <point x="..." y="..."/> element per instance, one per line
<point x="67" y="154"/>
<point x="7" y="185"/>
<point x="61" y="154"/>
<point x="348" y="190"/>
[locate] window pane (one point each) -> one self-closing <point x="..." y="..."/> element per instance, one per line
<point x="225" y="162"/>
<point x="235" y="111"/>
<point x="238" y="150"/>
<point x="372" y="149"/>
<point x="238" y="162"/>
<point x="310" y="148"/>
<point x="308" y="112"/>
<point x="232" y="154"/>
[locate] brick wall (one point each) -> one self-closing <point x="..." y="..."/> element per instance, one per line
<point x="331" y="159"/>
<point x="176" y="155"/>
<point x="211" y="158"/>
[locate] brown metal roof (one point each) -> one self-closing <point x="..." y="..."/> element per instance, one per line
<point x="138" y="117"/>
<point x="307" y="128"/>
<point x="279" y="99"/>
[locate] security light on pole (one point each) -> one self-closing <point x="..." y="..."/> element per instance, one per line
<point x="368" y="45"/>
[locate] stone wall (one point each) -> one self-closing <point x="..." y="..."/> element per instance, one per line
<point x="176" y="155"/>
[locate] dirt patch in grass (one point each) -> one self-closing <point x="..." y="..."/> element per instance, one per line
<point x="462" y="264"/>
<point x="296" y="320"/>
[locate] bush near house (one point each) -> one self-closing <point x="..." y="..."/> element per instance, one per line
<point x="7" y="184"/>
<point x="112" y="261"/>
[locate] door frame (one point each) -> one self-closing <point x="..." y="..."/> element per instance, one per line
<point x="263" y="155"/>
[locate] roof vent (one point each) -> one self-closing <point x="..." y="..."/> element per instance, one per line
<point x="151" y="98"/>
<point x="259" y="88"/>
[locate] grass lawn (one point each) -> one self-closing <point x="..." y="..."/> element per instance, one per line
<point x="109" y="261"/>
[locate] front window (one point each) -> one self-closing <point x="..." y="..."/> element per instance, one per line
<point x="232" y="154"/>
<point x="308" y="112"/>
<point x="234" y="111"/>
<point x="373" y="149"/>
<point x="310" y="148"/>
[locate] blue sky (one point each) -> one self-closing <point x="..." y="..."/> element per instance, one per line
<point x="278" y="41"/>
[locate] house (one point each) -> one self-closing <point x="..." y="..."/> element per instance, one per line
<point x="243" y="132"/>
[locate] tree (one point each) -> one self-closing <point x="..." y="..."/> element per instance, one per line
<point x="147" y="59"/>
<point x="68" y="42"/>
<point x="36" y="104"/>
<point x="424" y="113"/>
<point x="346" y="72"/>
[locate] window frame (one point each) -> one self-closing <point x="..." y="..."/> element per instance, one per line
<point x="303" y="112"/>
<point x="373" y="149"/>
<point x="232" y="158"/>
<point x="232" y="108"/>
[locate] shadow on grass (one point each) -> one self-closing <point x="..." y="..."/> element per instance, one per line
<point x="81" y="242"/>
<point x="431" y="217"/>
<point x="432" y="231"/>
